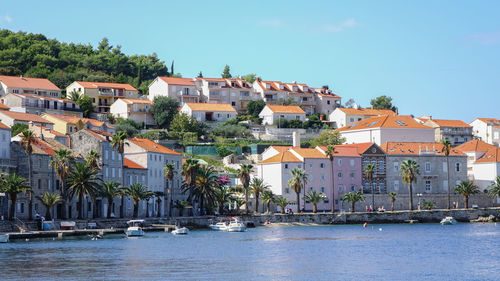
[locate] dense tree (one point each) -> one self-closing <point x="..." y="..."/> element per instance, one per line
<point x="250" y="78"/>
<point x="183" y="123"/>
<point x="86" y="105"/>
<point x="383" y="102"/>
<point x="330" y="153"/>
<point x="392" y="195"/>
<point x="169" y="171"/>
<point x="494" y="189"/>
<point x="18" y="128"/>
<point x="255" y="107"/>
<point x="328" y="138"/>
<point x="34" y="55"/>
<point x="164" y="110"/>
<point x="200" y="75"/>
<point x="137" y="192"/>
<point x="268" y="197"/>
<point x="369" y="172"/>
<point x="226" y="73"/>
<point x="129" y="127"/>
<point x="282" y="202"/>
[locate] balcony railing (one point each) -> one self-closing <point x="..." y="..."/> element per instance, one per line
<point x="109" y="94"/>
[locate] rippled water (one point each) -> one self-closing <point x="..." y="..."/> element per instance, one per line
<point x="350" y="252"/>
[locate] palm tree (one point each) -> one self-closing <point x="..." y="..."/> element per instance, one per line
<point x="180" y="205"/>
<point x="110" y="190"/>
<point x="223" y="195"/>
<point x="466" y="188"/>
<point x="49" y="200"/>
<point x="118" y="143"/>
<point x="27" y="138"/>
<point x="369" y="171"/>
<point x="137" y="192"/>
<point x="257" y="187"/>
<point x="393" y="198"/>
<point x="353" y="197"/>
<point x="169" y="171"/>
<point x="82" y="182"/>
<point x="14" y="184"/>
<point x="189" y="171"/>
<point x="244" y="176"/>
<point x="409" y="171"/>
<point x="297" y="182"/>
<point x="238" y="202"/>
<point x="61" y="162"/>
<point x="282" y="202"/>
<point x="494" y="189"/>
<point x="314" y="197"/>
<point x="73" y="96"/>
<point x="268" y="197"/>
<point x="330" y="151"/>
<point x="158" y="195"/>
<point x="446" y="150"/>
<point x="92" y="159"/>
<point x="206" y="183"/>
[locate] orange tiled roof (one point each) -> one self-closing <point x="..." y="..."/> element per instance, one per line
<point x="449" y="123"/>
<point x="20" y="116"/>
<point x="308" y="152"/>
<point x="177" y="81"/>
<point x="131" y="164"/>
<point x="367" y="111"/>
<point x="28" y="83"/>
<point x="475" y="145"/>
<point x="386" y="121"/>
<point x="97" y="134"/>
<point x="74" y="120"/>
<point x="150" y="145"/>
<point x="360" y="147"/>
<point x="281" y="148"/>
<point x="3" y="107"/>
<point x="281" y="157"/>
<point x="491" y="156"/>
<point x="326" y="93"/>
<point x="95" y="85"/>
<point x="3" y="126"/>
<point x="341" y="150"/>
<point x="286" y="109"/>
<point x="132" y="101"/>
<point x="210" y="107"/>
<point x="415" y="148"/>
<point x="496" y="122"/>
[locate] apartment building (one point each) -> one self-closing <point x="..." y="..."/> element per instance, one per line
<point x="209" y="111"/>
<point x="343" y="116"/>
<point x="236" y="92"/>
<point x="67" y="124"/>
<point x="326" y="101"/>
<point x="28" y="85"/>
<point x="271" y="113"/>
<point x="103" y="94"/>
<point x="487" y="130"/>
<point x="182" y="89"/>
<point x="483" y="162"/>
<point x="455" y="131"/>
<point x="34" y="104"/>
<point x="138" y="110"/>
<point x="10" y="118"/>
<point x="6" y="164"/>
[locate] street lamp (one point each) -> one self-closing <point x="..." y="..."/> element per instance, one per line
<point x="419" y="195"/>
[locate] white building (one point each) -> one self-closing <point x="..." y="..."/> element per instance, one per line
<point x="326" y="101"/>
<point x="10" y="118"/>
<point x="271" y="113"/>
<point x="487" y="130"/>
<point x="35" y="104"/>
<point x="154" y="157"/>
<point x="209" y="111"/>
<point x="387" y="128"/>
<point x="455" y="131"/>
<point x="483" y="162"/>
<point x="134" y="109"/>
<point x="236" y="92"/>
<point x="273" y="150"/>
<point x="343" y="116"/>
<point x="182" y="89"/>
<point x="28" y="85"/>
<point x="5" y="133"/>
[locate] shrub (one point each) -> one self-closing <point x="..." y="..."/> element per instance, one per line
<point x="223" y="151"/>
<point x="231" y="131"/>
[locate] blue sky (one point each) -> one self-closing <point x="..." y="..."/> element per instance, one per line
<point x="439" y="58"/>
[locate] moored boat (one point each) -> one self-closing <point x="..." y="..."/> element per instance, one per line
<point x="180" y="231"/>
<point x="448" y="221"/>
<point x="135" y="228"/>
<point x="4" y="238"/>
<point x="236" y="226"/>
<point x="222" y="226"/>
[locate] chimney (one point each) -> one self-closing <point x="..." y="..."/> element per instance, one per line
<point x="296" y="139"/>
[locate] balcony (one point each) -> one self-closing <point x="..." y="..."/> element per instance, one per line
<point x="104" y="104"/>
<point x="107" y="94"/>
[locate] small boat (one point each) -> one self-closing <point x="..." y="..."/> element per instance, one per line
<point x="135" y="228"/>
<point x="4" y="238"/>
<point x="236" y="226"/>
<point x="180" y="231"/>
<point x="222" y="226"/>
<point x="448" y="221"/>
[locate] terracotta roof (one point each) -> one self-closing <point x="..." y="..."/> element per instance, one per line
<point x="96" y="85"/>
<point x="308" y="152"/>
<point x="37" y="129"/>
<point x="150" y="145"/>
<point x="281" y="157"/>
<point x="177" y="81"/>
<point x="211" y="79"/>
<point x="3" y="107"/>
<point x="3" y="126"/>
<point x="360" y="147"/>
<point x="43" y="97"/>
<point x="386" y="121"/>
<point x="281" y="148"/>
<point x="133" y="101"/>
<point x="417" y="148"/>
<point x="475" y="145"/>
<point x="210" y="107"/>
<point x="28" y="83"/>
<point x="496" y="122"/>
<point x="286" y="109"/>
<point x="74" y="120"/>
<point x="238" y="83"/>
<point x="97" y="134"/>
<point x="20" y="116"/>
<point x="326" y="93"/>
<point x="491" y="156"/>
<point x="341" y="150"/>
<point x="272" y="84"/>
<point x="131" y="164"/>
<point x="449" y="123"/>
<point x="366" y="111"/>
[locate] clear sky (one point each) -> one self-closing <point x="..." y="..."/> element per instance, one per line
<point x="438" y="58"/>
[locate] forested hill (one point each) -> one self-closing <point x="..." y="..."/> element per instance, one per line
<point x="33" y="55"/>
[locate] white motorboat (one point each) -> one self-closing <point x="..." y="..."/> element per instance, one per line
<point x="222" y="226"/>
<point x="448" y="221"/>
<point x="135" y="228"/>
<point x="4" y="238"/>
<point x="180" y="231"/>
<point x="236" y="226"/>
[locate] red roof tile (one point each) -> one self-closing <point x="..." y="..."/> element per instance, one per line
<point x="417" y="148"/>
<point x="386" y="121"/>
<point x="150" y="145"/>
<point x="475" y="145"/>
<point x="282" y="157"/>
<point x="28" y="83"/>
<point x="132" y="165"/>
<point x="177" y="81"/>
<point x="95" y="85"/>
<point x="26" y="117"/>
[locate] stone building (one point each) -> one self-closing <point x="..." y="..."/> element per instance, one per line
<point x="456" y="131"/>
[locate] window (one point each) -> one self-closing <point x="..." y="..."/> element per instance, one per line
<point x="287" y="190"/>
<point x="119" y="172"/>
<point x="322" y="189"/>
<point x="496" y="135"/>
<point x="396" y="185"/>
<point x="341" y="188"/>
<point x="322" y="177"/>
<point x="427" y="186"/>
<point x="353" y="187"/>
<point x="311" y="188"/>
<point x="106" y="156"/>
<point x="445" y="185"/>
<point x="352" y="174"/>
<point x="457" y="167"/>
<point x="310" y="165"/>
<point x="327" y="102"/>
<point x="322" y="165"/>
<point x="396" y="166"/>
<point x="107" y="172"/>
<point x="22" y="207"/>
<point x="185" y="91"/>
<point x="228" y="115"/>
<point x="49" y="184"/>
<point x="427" y="166"/>
<point x="339" y="162"/>
<point x="351" y="162"/>
<point x="39" y="183"/>
<point x="352" y="119"/>
<point x="297" y="117"/>
<point x="112" y="172"/>
<point x="339" y="175"/>
<point x="233" y="103"/>
<point x="445" y="167"/>
<point x="286" y="166"/>
<point x="112" y="155"/>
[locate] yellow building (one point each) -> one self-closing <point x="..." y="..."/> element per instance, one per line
<point x="67" y="124"/>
